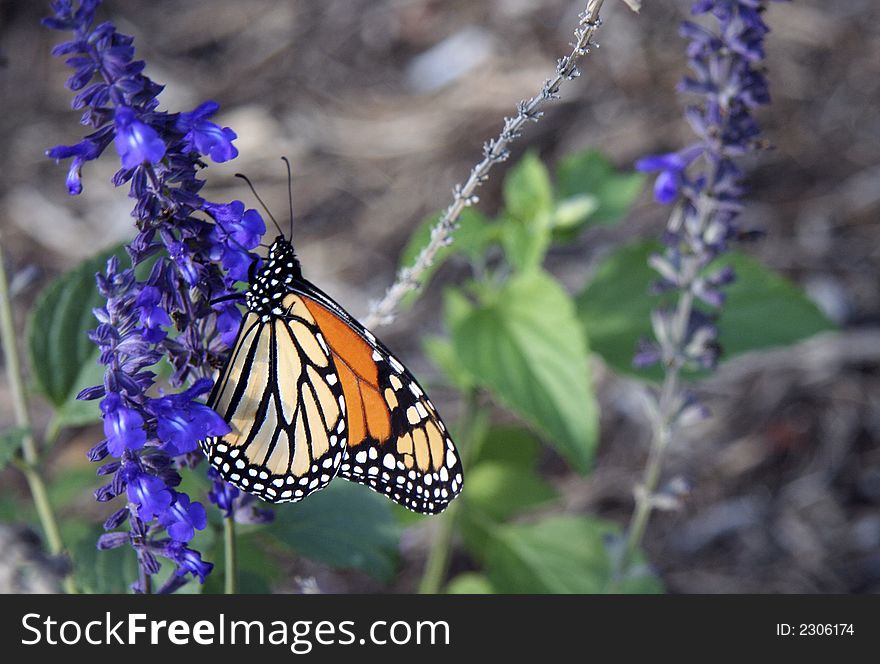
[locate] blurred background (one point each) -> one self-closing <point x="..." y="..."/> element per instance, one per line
<point x="382" y="106"/>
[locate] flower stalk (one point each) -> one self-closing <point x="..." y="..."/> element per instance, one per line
<point x="703" y="181"/>
<point x="495" y="151"/>
<point x="30" y="464"/>
<point x="200" y="251"/>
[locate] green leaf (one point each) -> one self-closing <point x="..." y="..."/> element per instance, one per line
<point x="526" y="222"/>
<point x="57" y="329"/>
<point x="562" y="554"/>
<point x="345" y="525"/>
<point x="591" y="173"/>
<point x="10" y="443"/>
<point x="74" y="412"/>
<point x="74" y="485"/>
<point x="527" y="348"/>
<point x="510" y="444"/>
<point x="407" y="518"/>
<point x="763" y="309"/>
<point x="442" y="353"/>
<point x="473" y="235"/>
<point x="456" y="307"/>
<point x="96" y="571"/>
<point x="470" y="583"/>
<point x="528" y="192"/>
<point x="496" y="492"/>
<point x="616" y="305"/>
<point x="525" y="242"/>
<point x="499" y="490"/>
<point x="572" y="212"/>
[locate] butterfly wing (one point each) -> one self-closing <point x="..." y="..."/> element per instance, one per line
<point x="397" y="443"/>
<point x="281" y="395"/>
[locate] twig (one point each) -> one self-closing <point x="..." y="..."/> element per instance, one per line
<point x="495" y="151"/>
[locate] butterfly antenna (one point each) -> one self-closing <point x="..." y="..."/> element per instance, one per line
<point x="257" y="196"/>
<point x="289" y="192"/>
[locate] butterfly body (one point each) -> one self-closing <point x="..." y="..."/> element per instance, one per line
<point x="310" y="395"/>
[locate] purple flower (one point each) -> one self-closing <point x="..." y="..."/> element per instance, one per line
<point x="196" y="262"/>
<point x="648" y="354"/>
<point x="181" y="255"/>
<point x="188" y="561"/>
<point x="237" y="230"/>
<point x="149" y="493"/>
<point x="153" y="316"/>
<point x="123" y="426"/>
<point x="672" y="168"/>
<point x="703" y="180"/>
<point x="82" y="152"/>
<point x="222" y="494"/>
<point x="183" y="518"/>
<point x="183" y="422"/>
<point x="206" y="137"/>
<point x="228" y="321"/>
<point x="243" y="507"/>
<point x="136" y="141"/>
<point x="108" y="541"/>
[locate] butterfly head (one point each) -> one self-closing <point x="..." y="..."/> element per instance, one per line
<point x="281" y="248"/>
<point x="280" y="270"/>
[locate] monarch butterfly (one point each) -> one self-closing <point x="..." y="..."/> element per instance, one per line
<point x="310" y="394"/>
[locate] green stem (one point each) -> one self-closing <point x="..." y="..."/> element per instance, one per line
<point x="441" y="547"/>
<point x="438" y="557"/>
<point x="645" y="493"/>
<point x="52" y="432"/>
<point x="29" y="452"/>
<point x="230" y="584"/>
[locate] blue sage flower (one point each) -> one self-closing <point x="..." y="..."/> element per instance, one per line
<point x="228" y="321"/>
<point x="153" y="317"/>
<point x="703" y="181"/>
<point x="199" y="249"/>
<point x="123" y="426"/>
<point x="672" y="167"/>
<point x="183" y="518"/>
<point x="188" y="560"/>
<point x="183" y="421"/>
<point x="151" y="495"/>
<point x="235" y="229"/>
<point x="235" y="504"/>
<point x="136" y="141"/>
<point x="206" y="137"/>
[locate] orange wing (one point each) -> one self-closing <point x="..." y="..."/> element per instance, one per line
<point x="397" y="443"/>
